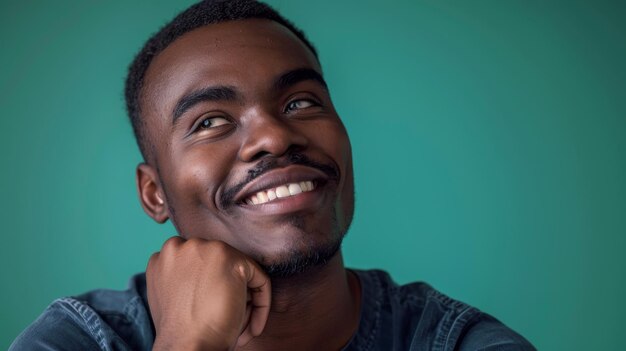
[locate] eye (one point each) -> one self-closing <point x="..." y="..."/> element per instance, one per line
<point x="211" y="122"/>
<point x="299" y="105"/>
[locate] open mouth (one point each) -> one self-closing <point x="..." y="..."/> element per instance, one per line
<point x="280" y="192"/>
<point x="285" y="190"/>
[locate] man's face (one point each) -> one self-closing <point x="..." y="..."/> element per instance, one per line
<point x="238" y="113"/>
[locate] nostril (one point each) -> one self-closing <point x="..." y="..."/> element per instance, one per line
<point x="291" y="150"/>
<point x="270" y="137"/>
<point x="259" y="155"/>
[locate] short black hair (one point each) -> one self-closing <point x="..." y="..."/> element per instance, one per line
<point x="200" y="14"/>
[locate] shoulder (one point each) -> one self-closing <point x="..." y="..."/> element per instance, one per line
<point x="489" y="334"/>
<point x="97" y="320"/>
<point x="416" y="316"/>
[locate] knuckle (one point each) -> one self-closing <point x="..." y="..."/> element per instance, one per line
<point x="240" y="269"/>
<point x="194" y="241"/>
<point x="171" y="243"/>
<point x="153" y="258"/>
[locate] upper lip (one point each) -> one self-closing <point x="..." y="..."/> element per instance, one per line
<point x="280" y="176"/>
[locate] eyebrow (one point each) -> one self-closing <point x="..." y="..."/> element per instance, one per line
<point x="227" y="93"/>
<point x="214" y="93"/>
<point x="296" y="76"/>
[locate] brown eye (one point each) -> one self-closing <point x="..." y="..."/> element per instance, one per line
<point x="212" y="122"/>
<point x="299" y="104"/>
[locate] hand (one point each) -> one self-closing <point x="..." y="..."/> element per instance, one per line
<point x="205" y="295"/>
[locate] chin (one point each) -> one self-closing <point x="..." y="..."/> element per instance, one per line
<point x="300" y="260"/>
<point x="302" y="249"/>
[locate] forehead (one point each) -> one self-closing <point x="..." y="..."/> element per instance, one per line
<point x="243" y="53"/>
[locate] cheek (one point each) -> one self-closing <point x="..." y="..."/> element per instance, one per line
<point x="198" y="174"/>
<point x="335" y="142"/>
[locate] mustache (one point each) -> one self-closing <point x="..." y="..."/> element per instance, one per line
<point x="268" y="164"/>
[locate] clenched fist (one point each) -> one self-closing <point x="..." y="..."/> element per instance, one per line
<point x="205" y="295"/>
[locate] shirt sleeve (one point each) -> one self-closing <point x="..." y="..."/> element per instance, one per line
<point x="62" y="326"/>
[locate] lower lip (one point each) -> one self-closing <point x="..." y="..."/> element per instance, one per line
<point x="307" y="200"/>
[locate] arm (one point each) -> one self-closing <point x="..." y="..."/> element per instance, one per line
<point x="64" y="325"/>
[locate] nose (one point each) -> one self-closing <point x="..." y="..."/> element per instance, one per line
<point x="267" y="134"/>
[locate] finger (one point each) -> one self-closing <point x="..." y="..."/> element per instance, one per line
<point x="259" y="286"/>
<point x="151" y="262"/>
<point x="261" y="300"/>
<point x="153" y="258"/>
<point x="172" y="243"/>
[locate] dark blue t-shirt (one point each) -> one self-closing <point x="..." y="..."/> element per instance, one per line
<point x="412" y="317"/>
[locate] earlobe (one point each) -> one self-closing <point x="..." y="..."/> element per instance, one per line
<point x="150" y="193"/>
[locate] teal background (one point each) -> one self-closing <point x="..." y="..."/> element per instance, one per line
<point x="489" y="146"/>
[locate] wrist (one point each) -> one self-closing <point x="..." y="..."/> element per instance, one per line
<point x="162" y="343"/>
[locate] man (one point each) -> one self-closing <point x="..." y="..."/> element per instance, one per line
<point x="246" y="155"/>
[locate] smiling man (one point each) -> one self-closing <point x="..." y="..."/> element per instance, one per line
<point x="246" y="155"/>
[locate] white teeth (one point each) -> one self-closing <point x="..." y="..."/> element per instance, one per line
<point x="282" y="191"/>
<point x="279" y="192"/>
<point x="294" y="189"/>
<point x="262" y="197"/>
<point x="271" y="194"/>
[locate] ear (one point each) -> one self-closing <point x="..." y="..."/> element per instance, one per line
<point x="151" y="194"/>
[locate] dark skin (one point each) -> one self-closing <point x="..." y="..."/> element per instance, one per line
<point x="219" y="102"/>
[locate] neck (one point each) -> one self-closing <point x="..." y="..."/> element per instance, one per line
<point x="316" y="310"/>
